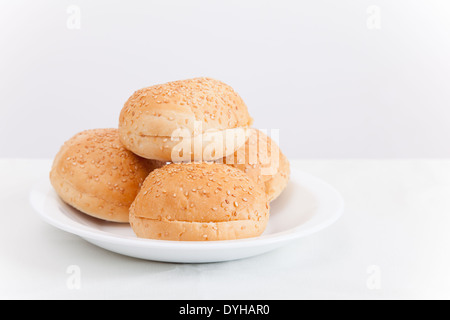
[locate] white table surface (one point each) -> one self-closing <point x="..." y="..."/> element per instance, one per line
<point x="393" y="242"/>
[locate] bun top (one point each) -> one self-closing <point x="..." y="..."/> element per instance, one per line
<point x="95" y="162"/>
<point x="200" y="192"/>
<point x="161" y="109"/>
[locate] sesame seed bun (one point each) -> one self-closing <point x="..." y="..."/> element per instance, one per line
<point x="199" y="202"/>
<point x="94" y="173"/>
<point x="261" y="158"/>
<point x="169" y="121"/>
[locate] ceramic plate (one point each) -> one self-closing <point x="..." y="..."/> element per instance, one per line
<point x="308" y="205"/>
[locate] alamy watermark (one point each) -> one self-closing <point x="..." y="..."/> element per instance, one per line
<point x="231" y="146"/>
<point x="74" y="17"/>
<point x="373" y="281"/>
<point x="73" y="281"/>
<point x="373" y="21"/>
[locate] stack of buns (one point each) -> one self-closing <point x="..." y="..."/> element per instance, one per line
<point x="184" y="164"/>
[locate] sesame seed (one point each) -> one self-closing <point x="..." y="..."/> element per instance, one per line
<point x="244" y="199"/>
<point x="174" y="195"/>
<point x="236" y="204"/>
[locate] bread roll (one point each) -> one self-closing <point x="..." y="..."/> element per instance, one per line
<point x="197" y="119"/>
<point x="94" y="173"/>
<point x="262" y="159"/>
<point x="199" y="202"/>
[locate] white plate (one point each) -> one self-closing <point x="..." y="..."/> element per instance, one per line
<point x="305" y="207"/>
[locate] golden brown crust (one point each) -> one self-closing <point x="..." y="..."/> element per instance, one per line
<point x="199" y="198"/>
<point x="196" y="105"/>
<point x="276" y="185"/>
<point x="94" y="173"/>
<point x="262" y="160"/>
<point x="196" y="231"/>
<point x="87" y="203"/>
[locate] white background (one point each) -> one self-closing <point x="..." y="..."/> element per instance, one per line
<point x="336" y="88"/>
